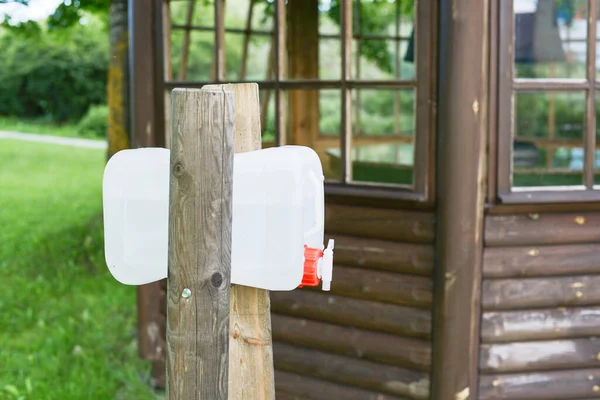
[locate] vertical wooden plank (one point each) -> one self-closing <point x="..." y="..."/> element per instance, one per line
<point x="303" y="47"/>
<point x="250" y="344"/>
<point x="185" y="46"/>
<point x="426" y="96"/>
<point x="247" y="30"/>
<point x="460" y="202"/>
<point x="119" y="137"/>
<point x="219" y="57"/>
<point x="280" y="71"/>
<point x="201" y="184"/>
<point x="506" y="57"/>
<point x="590" y="116"/>
<point x="147" y="130"/>
<point x="346" y="95"/>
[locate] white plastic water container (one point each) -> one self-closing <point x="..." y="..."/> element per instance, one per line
<point x="278" y="218"/>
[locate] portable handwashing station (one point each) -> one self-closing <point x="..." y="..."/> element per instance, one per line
<point x="277" y="224"/>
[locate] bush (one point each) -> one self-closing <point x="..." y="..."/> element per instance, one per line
<point x="94" y="123"/>
<point x="52" y="76"/>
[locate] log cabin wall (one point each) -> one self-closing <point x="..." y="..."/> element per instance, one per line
<point x="541" y="306"/>
<point x="370" y="337"/>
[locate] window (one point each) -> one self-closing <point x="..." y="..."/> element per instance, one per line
<point x="353" y="79"/>
<point x="547" y="109"/>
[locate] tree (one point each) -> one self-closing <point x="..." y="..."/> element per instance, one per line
<point x="115" y="15"/>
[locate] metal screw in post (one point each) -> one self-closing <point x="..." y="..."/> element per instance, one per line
<point x="186" y="293"/>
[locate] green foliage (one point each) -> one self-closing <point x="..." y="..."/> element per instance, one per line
<point x="68" y="328"/>
<point x="376" y="17"/>
<point x="57" y="76"/>
<point x="94" y="123"/>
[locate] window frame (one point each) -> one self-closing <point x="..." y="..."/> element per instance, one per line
<point x="502" y="118"/>
<point x="423" y="84"/>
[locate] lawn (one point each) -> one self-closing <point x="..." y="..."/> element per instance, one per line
<point x="67" y="328"/>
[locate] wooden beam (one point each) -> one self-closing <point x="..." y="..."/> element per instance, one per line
<point x="556" y="385"/>
<point x="185" y="46"/>
<point x="521" y="261"/>
<point x="244" y="63"/>
<point x="540" y="355"/>
<point x="461" y="145"/>
<point x="359" y="343"/>
<point x="537" y="229"/>
<point x="543" y="324"/>
<point x="291" y="386"/>
<point x="147" y="130"/>
<point x="378" y="223"/>
<point x="353" y="372"/>
<point x="522" y="293"/>
<point x="250" y="345"/>
<point x="408" y="258"/>
<point x="200" y="213"/>
<point x="365" y="314"/>
<point x="303" y="50"/>
<point x="358" y="283"/>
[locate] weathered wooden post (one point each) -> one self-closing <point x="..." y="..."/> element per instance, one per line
<point x="250" y="346"/>
<point x="200" y="220"/>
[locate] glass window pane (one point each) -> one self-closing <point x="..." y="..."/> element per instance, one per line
<point x="330" y="58"/>
<point x="267" y="117"/>
<point x="383" y="133"/>
<point x="236" y="13"/>
<point x="202" y="12"/>
<point x="549" y="136"/>
<point x="199" y="55"/>
<point x="258" y="58"/>
<point x="384" y="46"/>
<point x="550" y="38"/>
<point x="314" y="120"/>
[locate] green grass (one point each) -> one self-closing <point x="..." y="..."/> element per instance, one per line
<point x="67" y="328"/>
<point x="40" y="126"/>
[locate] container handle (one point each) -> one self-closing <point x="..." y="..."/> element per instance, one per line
<point x="318" y="186"/>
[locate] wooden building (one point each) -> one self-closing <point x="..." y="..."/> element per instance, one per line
<point x="459" y="143"/>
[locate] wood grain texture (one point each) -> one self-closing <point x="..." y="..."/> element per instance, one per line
<point x="349" y="371"/>
<point x="292" y="386"/>
<point x="523" y="293"/>
<point x="385" y="255"/>
<point x="303" y="55"/>
<point x="551" y="260"/>
<point x="537" y="229"/>
<point x="250" y="344"/>
<point x="379" y="223"/>
<point x="414" y="291"/>
<point x="344" y="311"/>
<point x="358" y="343"/>
<point x="540" y="355"/>
<point x="460" y="196"/>
<point x="559" y="323"/>
<point x="555" y="385"/>
<point x="200" y="215"/>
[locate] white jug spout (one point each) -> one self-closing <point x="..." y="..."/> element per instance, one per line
<point x="326" y="266"/>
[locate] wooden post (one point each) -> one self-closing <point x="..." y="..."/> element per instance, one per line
<point x="200" y="212"/>
<point x="250" y="346"/>
<point x="147" y="130"/>
<point x="461" y="146"/>
<point x="303" y="47"/>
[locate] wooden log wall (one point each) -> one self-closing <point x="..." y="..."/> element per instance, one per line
<point x="541" y="307"/>
<point x="369" y="338"/>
